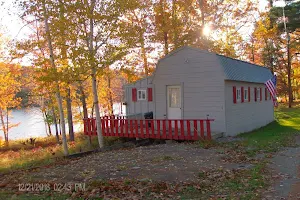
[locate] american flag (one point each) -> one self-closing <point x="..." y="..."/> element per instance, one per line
<point x="271" y="85"/>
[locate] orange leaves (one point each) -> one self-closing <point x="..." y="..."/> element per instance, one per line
<point x="9" y="85"/>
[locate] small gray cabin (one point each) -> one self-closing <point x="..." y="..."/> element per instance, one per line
<point x="190" y="83"/>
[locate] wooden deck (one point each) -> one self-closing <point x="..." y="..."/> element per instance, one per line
<point x="183" y="129"/>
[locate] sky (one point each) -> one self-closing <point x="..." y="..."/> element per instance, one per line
<point x="10" y="22"/>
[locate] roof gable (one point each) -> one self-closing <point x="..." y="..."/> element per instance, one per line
<point x="235" y="70"/>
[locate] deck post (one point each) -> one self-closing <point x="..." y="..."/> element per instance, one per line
<point x="208" y="129"/>
<point x="195" y="130"/>
<point x="202" y="129"/>
<point x="188" y="126"/>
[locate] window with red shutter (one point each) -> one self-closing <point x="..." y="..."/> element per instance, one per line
<point x="255" y="94"/>
<point x="242" y="94"/>
<point x="266" y="94"/>
<point x="134" y="94"/>
<point x="234" y="94"/>
<point x="249" y="96"/>
<point x="150" y="97"/>
<point x="260" y="91"/>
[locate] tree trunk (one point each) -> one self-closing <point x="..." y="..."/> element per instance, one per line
<point x="83" y="101"/>
<point x="271" y="3"/>
<point x="166" y="46"/>
<point x="97" y="111"/>
<point x="7" y="128"/>
<point x="45" y="123"/>
<point x="174" y="24"/>
<point x="58" y="96"/>
<point x="165" y="32"/>
<point x="201" y="6"/>
<point x="289" y="72"/>
<point x="3" y="126"/>
<point x="252" y="49"/>
<point x="84" y="107"/>
<point x="49" y="128"/>
<point x="70" y="118"/>
<point x="202" y="9"/>
<point x="55" y="124"/>
<point x="110" y="98"/>
<point x="93" y="75"/>
<point x="144" y="55"/>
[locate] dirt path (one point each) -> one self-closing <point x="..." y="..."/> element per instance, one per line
<point x="167" y="162"/>
<point x="285" y="167"/>
<point x="172" y="163"/>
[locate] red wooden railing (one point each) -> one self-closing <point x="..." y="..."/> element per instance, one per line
<point x="176" y="129"/>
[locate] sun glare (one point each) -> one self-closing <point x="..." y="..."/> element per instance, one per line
<point x="206" y="30"/>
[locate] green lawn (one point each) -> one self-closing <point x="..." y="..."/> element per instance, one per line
<point x="278" y="133"/>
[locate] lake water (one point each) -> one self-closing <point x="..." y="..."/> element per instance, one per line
<point x="32" y="123"/>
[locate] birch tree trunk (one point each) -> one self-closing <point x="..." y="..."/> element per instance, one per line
<point x="94" y="80"/>
<point x="58" y="95"/>
<point x="55" y="124"/>
<point x="97" y="110"/>
<point x="70" y="118"/>
<point x="3" y="126"/>
<point x="45" y="122"/>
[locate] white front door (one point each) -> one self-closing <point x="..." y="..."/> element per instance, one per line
<point x="174" y="102"/>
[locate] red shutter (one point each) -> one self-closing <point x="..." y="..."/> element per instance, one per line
<point x="260" y="90"/>
<point x="234" y="94"/>
<point x="150" y="98"/>
<point x="134" y="95"/>
<point x="270" y="95"/>
<point x="249" y="94"/>
<point x="266" y="94"/>
<point x="255" y="94"/>
<point x="242" y="94"/>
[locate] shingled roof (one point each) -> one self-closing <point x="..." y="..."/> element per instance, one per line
<point x="238" y="70"/>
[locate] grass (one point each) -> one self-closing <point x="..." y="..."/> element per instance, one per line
<point x="270" y="138"/>
<point x="276" y="134"/>
<point x="244" y="184"/>
<point x="45" y="152"/>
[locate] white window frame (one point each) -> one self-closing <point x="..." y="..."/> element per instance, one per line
<point x="238" y="94"/>
<point x="140" y="97"/>
<point x="245" y="94"/>
<point x="258" y="94"/>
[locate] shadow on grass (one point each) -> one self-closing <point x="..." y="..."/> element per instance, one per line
<point x="269" y="138"/>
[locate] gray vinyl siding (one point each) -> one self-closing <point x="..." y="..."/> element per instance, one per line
<point x="140" y="106"/>
<point x="202" y="86"/>
<point x="247" y="116"/>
